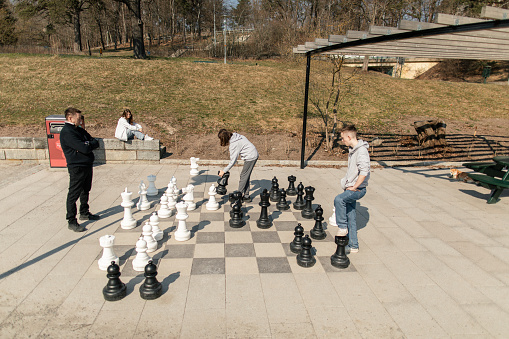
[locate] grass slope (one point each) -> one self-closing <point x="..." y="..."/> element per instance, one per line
<point x="200" y="97"/>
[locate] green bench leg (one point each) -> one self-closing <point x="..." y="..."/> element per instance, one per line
<point x="494" y="197"/>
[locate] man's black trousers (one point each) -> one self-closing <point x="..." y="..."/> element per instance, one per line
<point x="80" y="183"/>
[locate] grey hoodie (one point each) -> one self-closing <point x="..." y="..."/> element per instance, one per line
<point x="239" y="145"/>
<point x="358" y="164"/>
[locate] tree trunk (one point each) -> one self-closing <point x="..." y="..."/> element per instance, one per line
<point x="77" y="32"/>
<point x="100" y="33"/>
<point x="139" y="46"/>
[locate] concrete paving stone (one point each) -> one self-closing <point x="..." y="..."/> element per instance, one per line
<point x="209" y="251"/>
<point x="292" y="330"/>
<point x="241" y="265"/>
<point x="476" y="236"/>
<point x="402" y="240"/>
<point x="481" y="257"/>
<point x="308" y="285"/>
<point x="500" y="252"/>
<point x="125" y="325"/>
<point x="412" y="227"/>
<point x="498" y="295"/>
<point x="491" y="317"/>
<point x="384" y="284"/>
<point x="204" y="323"/>
<point x="332" y="322"/>
<point x="269" y="250"/>
<point x="206" y="292"/>
<point x="156" y="324"/>
<point x="367" y="312"/>
<point x="53" y="330"/>
<point x="414" y="320"/>
<point x="16" y="326"/>
<point x="404" y="269"/>
<point x="448" y="313"/>
<point x="5" y="311"/>
<point x="470" y="272"/>
<point x="438" y="247"/>
<point x="419" y="215"/>
<point x="282" y="298"/>
<point x="376" y="240"/>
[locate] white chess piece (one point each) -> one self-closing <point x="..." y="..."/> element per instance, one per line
<point x="142" y="258"/>
<point x="128" y="222"/>
<point x="164" y="212"/>
<point x="143" y="204"/>
<point x="171" y="201"/>
<point x="332" y="218"/>
<point x="189" y="197"/>
<point x="170" y="188"/>
<point x="107" y="242"/>
<point x="194" y="166"/>
<point x="212" y="204"/>
<point x="176" y="191"/>
<point x="148" y="237"/>
<point x="157" y="233"/>
<point x="152" y="190"/>
<point x="182" y="233"/>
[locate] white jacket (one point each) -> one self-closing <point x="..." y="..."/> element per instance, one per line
<point x="122" y="126"/>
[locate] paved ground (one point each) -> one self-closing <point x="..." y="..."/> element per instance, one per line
<point x="433" y="262"/>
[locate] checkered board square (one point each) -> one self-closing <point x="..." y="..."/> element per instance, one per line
<point x="217" y="248"/>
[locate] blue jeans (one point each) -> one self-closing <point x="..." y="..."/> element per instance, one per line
<point x="345" y="204"/>
<point x="131" y="134"/>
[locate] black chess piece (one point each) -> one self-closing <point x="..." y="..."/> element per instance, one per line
<point x="222" y="183"/>
<point x="305" y="258"/>
<point x="317" y="232"/>
<point x="282" y="204"/>
<point x="274" y="191"/>
<point x="308" y="212"/>
<point x="296" y="244"/>
<point x="291" y="191"/>
<point x="114" y="289"/>
<point x="151" y="288"/>
<point x="299" y="202"/>
<point x="236" y="221"/>
<point x="264" y="221"/>
<point x="236" y="198"/>
<point x="340" y="259"/>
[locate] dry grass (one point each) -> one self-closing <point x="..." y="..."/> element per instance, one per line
<point x="189" y="96"/>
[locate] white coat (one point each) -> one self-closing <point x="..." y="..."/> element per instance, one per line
<point x="122" y="126"/>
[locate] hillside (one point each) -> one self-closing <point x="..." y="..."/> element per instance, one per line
<point x="184" y="102"/>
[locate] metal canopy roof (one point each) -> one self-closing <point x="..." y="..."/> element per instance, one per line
<point x="451" y="37"/>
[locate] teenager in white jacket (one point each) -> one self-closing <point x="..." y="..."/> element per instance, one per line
<point x="127" y="130"/>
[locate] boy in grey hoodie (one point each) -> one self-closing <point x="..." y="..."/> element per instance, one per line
<point x="354" y="185"/>
<point x="239" y="145"/>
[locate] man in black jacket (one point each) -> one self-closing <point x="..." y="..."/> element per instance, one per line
<point x="77" y="145"/>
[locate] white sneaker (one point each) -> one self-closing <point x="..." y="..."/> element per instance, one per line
<point x="342" y="232"/>
<point x="351" y="250"/>
<point x="148" y="138"/>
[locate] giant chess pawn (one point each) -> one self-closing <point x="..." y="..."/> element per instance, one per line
<point x="194" y="166"/>
<point x="282" y="204"/>
<point x="235" y="198"/>
<point x="128" y="222"/>
<point x="157" y="233"/>
<point x="299" y="202"/>
<point x="107" y="242"/>
<point x="222" y="183"/>
<point x="317" y="232"/>
<point x="296" y="244"/>
<point x="143" y="203"/>
<point x="189" y="197"/>
<point x="291" y="191"/>
<point x="142" y="258"/>
<point x="149" y="239"/>
<point x="212" y="204"/>
<point x="236" y="221"/>
<point x="171" y="201"/>
<point x="182" y="233"/>
<point x="152" y="190"/>
<point x="115" y="289"/>
<point x="274" y="191"/>
<point x="173" y="180"/>
<point x="308" y="212"/>
<point x="339" y="259"/>
<point x="332" y="218"/>
<point x="264" y="221"/>
<point x="151" y="288"/>
<point x="164" y="212"/>
<point x="305" y="258"/>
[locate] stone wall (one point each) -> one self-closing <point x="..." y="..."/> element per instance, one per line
<point x="109" y="151"/>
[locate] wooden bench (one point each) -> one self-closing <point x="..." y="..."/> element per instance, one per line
<point x="497" y="168"/>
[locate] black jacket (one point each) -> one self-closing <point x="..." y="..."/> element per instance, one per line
<point x="77" y="145"/>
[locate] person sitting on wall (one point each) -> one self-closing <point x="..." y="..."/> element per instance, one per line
<point x="127" y="129"/>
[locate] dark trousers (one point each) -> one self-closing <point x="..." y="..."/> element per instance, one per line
<point x="80" y="183"/>
<point x="245" y="177"/>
